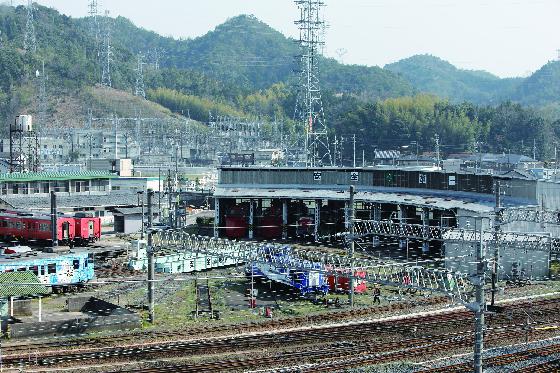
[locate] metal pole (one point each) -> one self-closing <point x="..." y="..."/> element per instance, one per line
<point x="151" y="263"/>
<point x="170" y="198"/>
<point x="351" y="247"/>
<point x="497" y="222"/>
<point x="479" y="305"/>
<point x="354" y="150"/>
<point x="54" y="220"/>
<point x="142" y="228"/>
<point x="159" y="194"/>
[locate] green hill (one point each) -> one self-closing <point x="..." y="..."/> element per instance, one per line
<point x="433" y="75"/>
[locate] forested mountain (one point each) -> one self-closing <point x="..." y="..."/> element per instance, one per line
<point x="246" y="68"/>
<point x="433" y="75"/>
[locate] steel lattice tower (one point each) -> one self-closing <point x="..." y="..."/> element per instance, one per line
<point x="140" y="90"/>
<point x="30" y="40"/>
<point x="94" y="24"/>
<point x="107" y="53"/>
<point x="309" y="107"/>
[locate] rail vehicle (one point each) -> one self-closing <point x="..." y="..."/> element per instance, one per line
<point x="236" y="222"/>
<point x="26" y="226"/>
<point x="339" y="281"/>
<point x="281" y="266"/>
<point x="58" y="270"/>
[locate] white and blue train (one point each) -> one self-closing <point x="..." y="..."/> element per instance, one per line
<point x="56" y="270"/>
<point x="281" y="266"/>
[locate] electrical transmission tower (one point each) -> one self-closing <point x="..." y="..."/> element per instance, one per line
<point x="107" y="53"/>
<point x="30" y="40"/>
<point x="139" y="90"/>
<point x="309" y="107"/>
<point x="94" y="24"/>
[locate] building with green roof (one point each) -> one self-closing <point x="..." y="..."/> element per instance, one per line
<point x="18" y="284"/>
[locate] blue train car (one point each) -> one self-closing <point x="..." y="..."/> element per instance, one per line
<point x="52" y="269"/>
<point x="283" y="267"/>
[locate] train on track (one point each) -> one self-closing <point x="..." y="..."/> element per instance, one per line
<point x="28" y="226"/>
<point x="61" y="271"/>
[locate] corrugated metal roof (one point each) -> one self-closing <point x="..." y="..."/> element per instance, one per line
<point x="473" y="204"/>
<point x="19" y="284"/>
<point x="60" y="176"/>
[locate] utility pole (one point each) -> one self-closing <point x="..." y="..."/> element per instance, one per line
<point x="54" y="220"/>
<point x="151" y="262"/>
<point x="30" y="39"/>
<point x="438" y="156"/>
<point x="352" y="214"/>
<point x="534" y="149"/>
<point x="479" y="306"/>
<point x="497" y="227"/>
<point x="170" y="198"/>
<point x="354" y="141"/>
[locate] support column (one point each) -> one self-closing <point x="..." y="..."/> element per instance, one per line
<point x="346" y="216"/>
<point x="479" y="306"/>
<point x="216" y="218"/>
<point x="285" y="219"/>
<point x="352" y="214"/>
<point x="251" y="220"/>
<point x="376" y="216"/>
<point x="318" y="205"/>
<point x="11" y="306"/>
<point x="402" y="221"/>
<point x="40" y="316"/>
<point x="54" y="220"/>
<point x="425" y="230"/>
<point x="151" y="261"/>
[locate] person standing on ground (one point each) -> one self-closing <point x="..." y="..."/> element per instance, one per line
<point x="376" y="295"/>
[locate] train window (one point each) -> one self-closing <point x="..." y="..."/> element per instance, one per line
<point x="35" y="270"/>
<point x="51" y="268"/>
<point x="76" y="263"/>
<point x="18" y="225"/>
<point x="23" y="269"/>
<point x="43" y="270"/>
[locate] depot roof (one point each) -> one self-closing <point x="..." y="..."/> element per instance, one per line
<point x="58" y="176"/>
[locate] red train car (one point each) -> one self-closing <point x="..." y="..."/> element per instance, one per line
<point x="341" y="283"/>
<point x="32" y="227"/>
<point x="236" y="222"/>
<point x="88" y="229"/>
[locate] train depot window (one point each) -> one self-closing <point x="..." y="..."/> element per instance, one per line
<point x="51" y="268"/>
<point x="76" y="264"/>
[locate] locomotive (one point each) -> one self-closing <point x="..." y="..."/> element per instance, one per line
<point x="26" y="226"/>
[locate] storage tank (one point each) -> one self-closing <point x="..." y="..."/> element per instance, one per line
<point x="23" y="123"/>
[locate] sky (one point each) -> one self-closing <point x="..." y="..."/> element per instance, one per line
<point x="505" y="37"/>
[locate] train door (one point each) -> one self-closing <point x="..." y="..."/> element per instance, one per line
<point x="91" y="229"/>
<point x="65" y="230"/>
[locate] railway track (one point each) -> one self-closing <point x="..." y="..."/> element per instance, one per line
<point x="508" y="359"/>
<point x="109" y="341"/>
<point x="338" y="358"/>
<point x="399" y="329"/>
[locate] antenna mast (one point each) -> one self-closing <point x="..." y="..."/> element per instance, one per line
<point x="140" y="90"/>
<point x="309" y="107"/>
<point x="30" y="40"/>
<point x="107" y="53"/>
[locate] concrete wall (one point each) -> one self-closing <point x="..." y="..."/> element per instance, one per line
<point x="75" y="326"/>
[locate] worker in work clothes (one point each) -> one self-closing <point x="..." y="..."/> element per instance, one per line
<point x="376" y="295"/>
